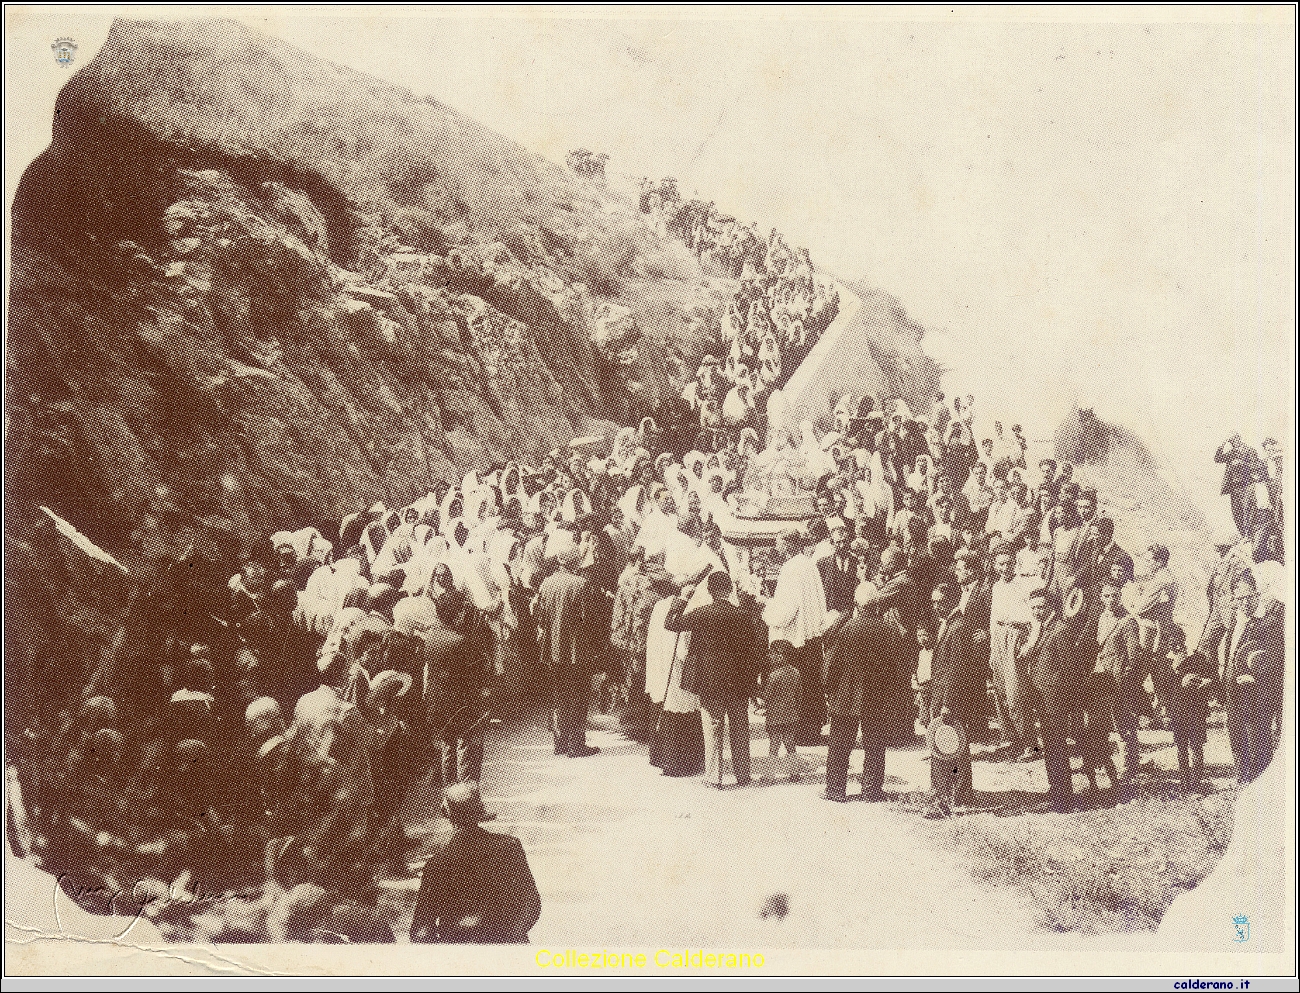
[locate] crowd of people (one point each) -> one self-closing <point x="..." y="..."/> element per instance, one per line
<point x="722" y="244"/>
<point x="778" y="312"/>
<point x="940" y="587"/>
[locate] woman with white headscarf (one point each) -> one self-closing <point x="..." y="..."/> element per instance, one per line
<point x="512" y="484"/>
<point x="542" y="503"/>
<point x="687" y="558"/>
<point x="488" y="582"/>
<point x="633" y="505"/>
<point x="659" y="523"/>
<point x="453" y="507"/>
<point x="623" y="451"/>
<point x="430" y="549"/>
<point x="713" y="504"/>
<point x="576" y="504"/>
<point x="694" y="463"/>
<point x="921" y="478"/>
<point x="397" y="551"/>
<point x="877" y="507"/>
<point x="317" y="603"/>
<point x="308" y="543"/>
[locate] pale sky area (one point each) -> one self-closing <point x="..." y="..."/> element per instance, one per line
<point x="1083" y="211"/>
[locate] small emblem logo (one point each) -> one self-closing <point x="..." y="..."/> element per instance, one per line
<point x="1241" y="928"/>
<point x="65" y="50"/>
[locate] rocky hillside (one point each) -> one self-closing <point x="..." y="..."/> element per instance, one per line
<point x="252" y="289"/>
<point x="255" y="287"/>
<point x="1146" y="507"/>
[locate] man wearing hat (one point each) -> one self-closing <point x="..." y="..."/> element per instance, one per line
<point x="477" y="887"/>
<point x="569" y="613"/>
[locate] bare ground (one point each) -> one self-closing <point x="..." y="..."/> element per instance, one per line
<point x="624" y="856"/>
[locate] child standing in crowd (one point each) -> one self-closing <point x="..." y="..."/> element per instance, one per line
<point x="1193" y="678"/>
<point x="921" y="681"/>
<point x="783" y="693"/>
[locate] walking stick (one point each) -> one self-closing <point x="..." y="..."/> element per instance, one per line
<point x="668" y="682"/>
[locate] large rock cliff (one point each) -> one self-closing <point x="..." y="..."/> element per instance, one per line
<point x="252" y="289"/>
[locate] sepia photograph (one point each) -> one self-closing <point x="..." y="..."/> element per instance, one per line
<point x="659" y="491"/>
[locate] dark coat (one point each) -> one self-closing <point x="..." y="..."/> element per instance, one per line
<point x="724" y="654"/>
<point x="569" y="613"/>
<point x="477" y="888"/>
<point x="862" y="667"/>
<point x="979" y="608"/>
<point x="454" y="677"/>
<point x="1057" y="666"/>
<point x="958" y="461"/>
<point x="839" y="586"/>
<point x="1242" y="466"/>
<point x="1259" y="652"/>
<point x="959" y="674"/>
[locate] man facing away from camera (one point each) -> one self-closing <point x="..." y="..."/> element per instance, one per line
<point x="720" y="668"/>
<point x="477" y="887"/>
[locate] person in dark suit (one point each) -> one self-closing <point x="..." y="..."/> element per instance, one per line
<point x="861" y="672"/>
<point x="569" y="611"/>
<point x="720" y="667"/>
<point x="477" y="887"/>
<point x="1109" y="556"/>
<point x="1251" y="655"/>
<point x="1053" y="662"/>
<point x="839" y="571"/>
<point x="959" y="671"/>
<point x="455" y="684"/>
<point x="1242" y="467"/>
<point x="976" y="606"/>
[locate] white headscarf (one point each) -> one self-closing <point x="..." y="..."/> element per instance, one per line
<point x="445" y="516"/>
<point x="633" y="505"/>
<point x="309" y="543"/>
<point x="427" y="554"/>
<point x="917" y="481"/>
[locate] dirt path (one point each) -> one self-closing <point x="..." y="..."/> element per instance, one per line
<point x="625" y="856"/>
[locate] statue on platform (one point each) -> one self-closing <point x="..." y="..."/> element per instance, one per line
<point x="780" y="480"/>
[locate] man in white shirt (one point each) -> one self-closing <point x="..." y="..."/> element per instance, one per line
<point x="1009" y="620"/>
<point x="1002" y="510"/>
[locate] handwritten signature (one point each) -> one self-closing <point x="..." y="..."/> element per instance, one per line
<point x="145" y="898"/>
